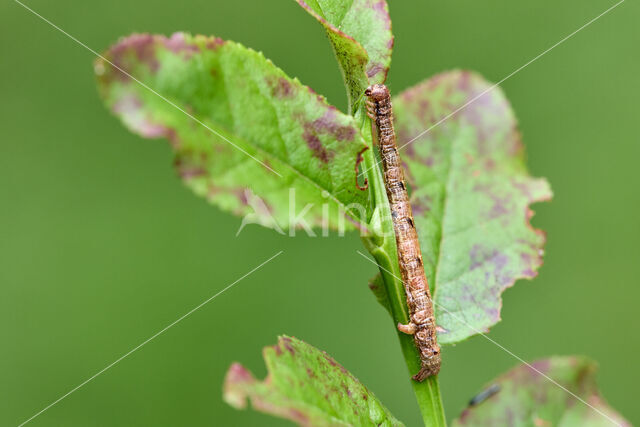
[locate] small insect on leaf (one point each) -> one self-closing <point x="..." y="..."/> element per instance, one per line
<point x="422" y="323"/>
<point x="484" y="394"/>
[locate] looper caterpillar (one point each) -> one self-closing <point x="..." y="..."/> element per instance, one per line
<point x="422" y="322"/>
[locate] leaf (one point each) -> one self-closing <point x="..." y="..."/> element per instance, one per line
<point x="470" y="192"/>
<point x="279" y="134"/>
<point x="360" y="32"/>
<point x="380" y="292"/>
<point x="307" y="386"/>
<point x="523" y="397"/>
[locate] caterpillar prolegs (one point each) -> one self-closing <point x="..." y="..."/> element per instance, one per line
<point x="422" y="322"/>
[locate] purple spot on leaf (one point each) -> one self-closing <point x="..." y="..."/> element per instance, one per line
<point x="141" y="46"/>
<point x="314" y="143"/>
<point x="327" y="124"/>
<point x="286" y="342"/>
<point x="390" y="43"/>
<point x="281" y="87"/>
<point x="374" y="69"/>
<point x="214" y="43"/>
<point x="178" y="45"/>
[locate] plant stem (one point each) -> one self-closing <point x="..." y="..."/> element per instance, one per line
<point x="381" y="244"/>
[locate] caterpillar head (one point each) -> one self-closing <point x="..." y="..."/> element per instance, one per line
<point x="377" y="92"/>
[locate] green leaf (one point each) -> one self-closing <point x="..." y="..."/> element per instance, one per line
<point x="523" y="397"/>
<point x="247" y="133"/>
<point x="380" y="292"/>
<point x="360" y="32"/>
<point x="307" y="386"/>
<point x="470" y="192"/>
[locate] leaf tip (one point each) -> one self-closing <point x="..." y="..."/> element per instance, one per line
<point x="236" y="382"/>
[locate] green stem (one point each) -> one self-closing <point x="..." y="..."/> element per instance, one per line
<point x="381" y="244"/>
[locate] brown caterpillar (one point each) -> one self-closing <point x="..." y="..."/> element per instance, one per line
<point x="422" y="322"/>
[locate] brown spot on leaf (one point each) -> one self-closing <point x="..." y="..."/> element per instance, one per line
<point x="286" y="342"/>
<point x="310" y="373"/>
<point x="390" y="43"/>
<point x="214" y="43"/>
<point x="489" y="164"/>
<point x="314" y="143"/>
<point x="189" y="172"/>
<point x="529" y="264"/>
<point x="374" y="69"/>
<point x="241" y="195"/>
<point x="327" y="124"/>
<point x="281" y="87"/>
<point x="174" y="139"/>
<point x="335" y="364"/>
<point x="359" y="160"/>
<point x="346" y="389"/>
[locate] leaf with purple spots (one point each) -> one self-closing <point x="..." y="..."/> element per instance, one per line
<point x="360" y="32"/>
<point x="242" y="131"/>
<point x="470" y="192"/>
<point x="307" y="386"/>
<point x="524" y="397"/>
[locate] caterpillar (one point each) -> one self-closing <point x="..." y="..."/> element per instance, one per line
<point x="421" y="317"/>
<point x="485" y="394"/>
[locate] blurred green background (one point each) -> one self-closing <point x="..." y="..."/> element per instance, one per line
<point x="101" y="245"/>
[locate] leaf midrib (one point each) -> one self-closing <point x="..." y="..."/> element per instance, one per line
<point x="447" y="191"/>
